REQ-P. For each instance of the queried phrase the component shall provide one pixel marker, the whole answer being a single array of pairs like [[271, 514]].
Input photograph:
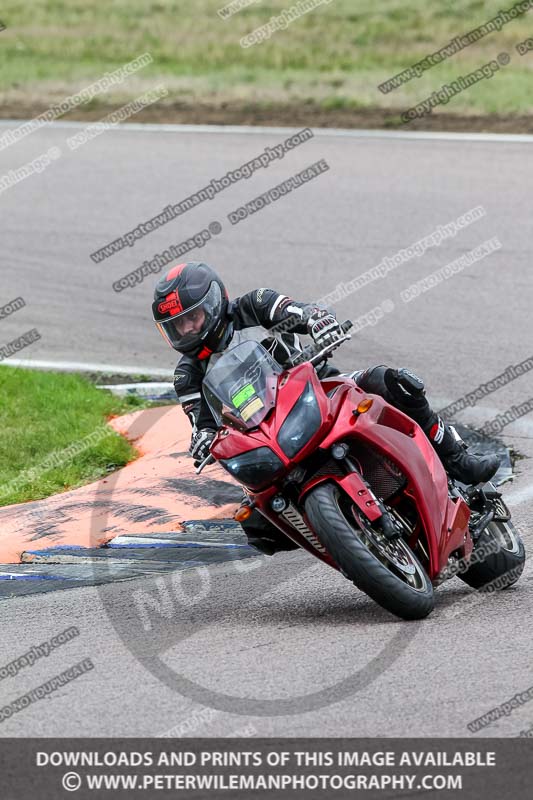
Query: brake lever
[[326, 351], [208, 460]]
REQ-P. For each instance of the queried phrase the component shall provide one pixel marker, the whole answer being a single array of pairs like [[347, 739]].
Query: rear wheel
[[387, 571], [499, 569]]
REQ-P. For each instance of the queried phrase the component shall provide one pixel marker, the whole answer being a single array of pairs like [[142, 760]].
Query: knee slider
[[411, 382], [406, 387]]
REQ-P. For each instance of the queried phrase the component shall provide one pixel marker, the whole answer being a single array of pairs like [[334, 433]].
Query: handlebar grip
[[346, 325]]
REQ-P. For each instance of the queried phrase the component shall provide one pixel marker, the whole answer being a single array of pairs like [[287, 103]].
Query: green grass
[[335, 55], [42, 413]]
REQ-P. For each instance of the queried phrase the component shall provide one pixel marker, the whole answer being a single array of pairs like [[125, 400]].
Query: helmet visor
[[188, 328]]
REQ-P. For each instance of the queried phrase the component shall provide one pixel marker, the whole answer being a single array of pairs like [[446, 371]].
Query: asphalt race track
[[280, 646]]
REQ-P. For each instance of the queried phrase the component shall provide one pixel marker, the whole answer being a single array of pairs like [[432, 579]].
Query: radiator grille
[[383, 476], [331, 467]]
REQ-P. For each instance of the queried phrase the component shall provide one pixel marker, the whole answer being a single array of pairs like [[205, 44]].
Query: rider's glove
[[200, 444], [323, 327]]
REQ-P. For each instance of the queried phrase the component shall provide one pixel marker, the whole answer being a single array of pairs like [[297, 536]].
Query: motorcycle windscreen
[[242, 382]]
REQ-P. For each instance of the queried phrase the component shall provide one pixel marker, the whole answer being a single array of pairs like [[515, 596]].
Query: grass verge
[[333, 57], [54, 433]]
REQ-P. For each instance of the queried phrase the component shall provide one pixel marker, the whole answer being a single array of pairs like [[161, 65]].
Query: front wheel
[[386, 570]]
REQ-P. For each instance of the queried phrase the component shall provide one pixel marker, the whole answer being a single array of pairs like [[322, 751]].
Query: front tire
[[387, 571], [503, 568]]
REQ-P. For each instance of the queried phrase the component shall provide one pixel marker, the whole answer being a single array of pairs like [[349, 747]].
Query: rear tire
[[359, 558], [499, 570]]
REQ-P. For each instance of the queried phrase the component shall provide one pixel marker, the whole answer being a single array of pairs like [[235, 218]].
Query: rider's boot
[[458, 462], [408, 392]]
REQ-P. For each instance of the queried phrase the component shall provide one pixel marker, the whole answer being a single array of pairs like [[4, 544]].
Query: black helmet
[[189, 308]]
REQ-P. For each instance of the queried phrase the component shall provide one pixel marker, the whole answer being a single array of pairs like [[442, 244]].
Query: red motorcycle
[[354, 481]]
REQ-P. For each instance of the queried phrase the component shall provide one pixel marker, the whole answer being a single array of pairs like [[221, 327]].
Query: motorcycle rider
[[192, 311]]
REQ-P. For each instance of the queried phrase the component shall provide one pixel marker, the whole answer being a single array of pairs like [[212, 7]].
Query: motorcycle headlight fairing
[[253, 468], [302, 423]]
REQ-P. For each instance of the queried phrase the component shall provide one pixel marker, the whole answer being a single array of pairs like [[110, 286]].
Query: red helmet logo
[[170, 305]]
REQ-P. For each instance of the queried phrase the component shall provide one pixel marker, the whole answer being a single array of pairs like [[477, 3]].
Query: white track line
[[75, 366], [350, 133]]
